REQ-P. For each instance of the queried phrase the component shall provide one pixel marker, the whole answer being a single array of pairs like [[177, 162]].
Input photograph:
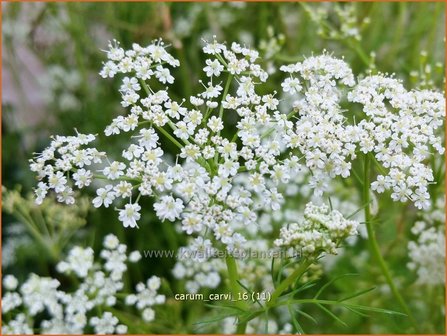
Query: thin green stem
[[224, 95], [273, 302], [23, 215], [374, 246], [169, 136], [227, 87], [288, 282], [234, 287]]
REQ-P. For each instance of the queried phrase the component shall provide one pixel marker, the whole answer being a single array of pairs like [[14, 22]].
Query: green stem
[[169, 136], [22, 215], [356, 46], [234, 287], [288, 282], [374, 246], [227, 87], [273, 302], [224, 95]]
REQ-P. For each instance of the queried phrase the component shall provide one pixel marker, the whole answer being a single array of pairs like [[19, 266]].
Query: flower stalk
[[290, 280], [374, 245], [233, 278]]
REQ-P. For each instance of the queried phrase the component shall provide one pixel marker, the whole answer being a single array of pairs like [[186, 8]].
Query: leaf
[[281, 269], [356, 312], [307, 316], [307, 285], [357, 177], [373, 309], [266, 322], [251, 293], [358, 210], [331, 314], [272, 265], [357, 294], [332, 281], [295, 322], [330, 203]]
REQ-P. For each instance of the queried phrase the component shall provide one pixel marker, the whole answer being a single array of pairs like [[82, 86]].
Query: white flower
[[40, 293], [41, 191], [135, 256], [213, 48], [130, 215], [10, 301], [154, 283], [115, 170], [213, 68], [10, 282], [291, 85], [111, 242], [105, 197], [19, 325], [121, 329], [168, 208], [212, 91], [146, 296], [224, 185], [123, 189], [79, 261], [82, 178], [163, 75], [57, 181], [130, 84], [321, 230], [148, 138], [215, 124], [105, 324], [148, 314], [67, 312]]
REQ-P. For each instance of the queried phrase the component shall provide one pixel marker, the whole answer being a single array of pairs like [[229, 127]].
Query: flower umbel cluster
[[400, 131], [99, 290], [427, 251], [320, 133], [65, 155], [220, 185], [321, 230]]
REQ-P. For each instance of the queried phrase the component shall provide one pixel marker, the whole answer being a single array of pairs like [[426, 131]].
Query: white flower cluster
[[400, 130], [218, 187], [399, 127], [64, 155], [427, 252], [321, 230], [216, 183], [203, 273], [147, 297], [345, 22], [320, 133], [74, 312]]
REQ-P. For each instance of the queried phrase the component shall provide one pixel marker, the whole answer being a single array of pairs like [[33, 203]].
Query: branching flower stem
[[374, 246], [274, 300], [289, 281], [221, 108], [233, 277]]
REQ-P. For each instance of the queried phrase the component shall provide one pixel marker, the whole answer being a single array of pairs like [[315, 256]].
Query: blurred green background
[[52, 53]]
